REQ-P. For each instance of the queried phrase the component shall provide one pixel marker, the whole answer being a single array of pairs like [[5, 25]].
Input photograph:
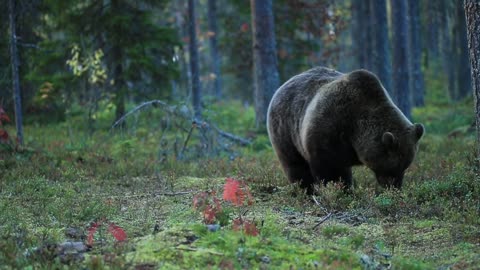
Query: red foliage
[[208, 204], [236, 192], [3, 136], [248, 227], [91, 233], [3, 116], [116, 231], [244, 27]]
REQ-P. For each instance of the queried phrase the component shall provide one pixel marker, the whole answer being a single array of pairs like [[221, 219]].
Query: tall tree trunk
[[401, 80], [472, 14], [215, 60], [464, 82], [452, 83], [367, 32], [445, 47], [417, 84], [194, 65], [17, 99], [266, 78], [119, 81], [433, 27], [381, 63], [357, 30]]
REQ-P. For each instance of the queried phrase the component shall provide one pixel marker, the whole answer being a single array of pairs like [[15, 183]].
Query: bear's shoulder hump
[[365, 80]]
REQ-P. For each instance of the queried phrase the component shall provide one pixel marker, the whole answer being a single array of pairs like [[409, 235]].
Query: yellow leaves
[[92, 65], [210, 34], [46, 90]]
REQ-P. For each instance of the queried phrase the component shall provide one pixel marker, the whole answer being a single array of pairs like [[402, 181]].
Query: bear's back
[[295, 94]]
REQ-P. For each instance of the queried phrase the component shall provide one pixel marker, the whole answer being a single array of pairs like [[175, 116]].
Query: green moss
[[69, 178]]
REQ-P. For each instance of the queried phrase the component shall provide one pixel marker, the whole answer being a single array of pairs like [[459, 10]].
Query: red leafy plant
[[208, 204], [116, 231], [4, 137], [235, 193]]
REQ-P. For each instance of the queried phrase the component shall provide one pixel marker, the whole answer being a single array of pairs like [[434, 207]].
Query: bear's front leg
[[324, 174]]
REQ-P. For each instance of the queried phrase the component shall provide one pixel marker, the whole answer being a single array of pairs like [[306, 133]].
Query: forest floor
[[67, 189]]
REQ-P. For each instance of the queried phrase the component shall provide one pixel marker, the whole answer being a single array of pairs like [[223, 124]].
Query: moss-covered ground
[[66, 178]]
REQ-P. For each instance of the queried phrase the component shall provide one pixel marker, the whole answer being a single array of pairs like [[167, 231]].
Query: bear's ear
[[419, 130], [389, 139]]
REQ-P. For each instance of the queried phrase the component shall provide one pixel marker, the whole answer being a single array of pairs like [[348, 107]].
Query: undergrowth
[[67, 177]]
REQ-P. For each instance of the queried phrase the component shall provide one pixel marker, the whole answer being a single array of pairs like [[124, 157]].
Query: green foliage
[[72, 177], [231, 116], [81, 44], [334, 230]]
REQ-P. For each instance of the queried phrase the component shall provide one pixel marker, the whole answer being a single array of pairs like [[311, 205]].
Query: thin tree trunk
[[119, 86], [215, 60], [472, 14], [401, 88], [452, 86], [266, 78], [417, 84], [464, 82], [17, 99], [119, 83], [381, 63], [194, 65]]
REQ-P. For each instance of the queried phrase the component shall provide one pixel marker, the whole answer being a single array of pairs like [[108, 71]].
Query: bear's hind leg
[[297, 170]]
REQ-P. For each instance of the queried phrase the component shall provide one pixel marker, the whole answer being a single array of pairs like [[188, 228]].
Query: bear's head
[[392, 153]]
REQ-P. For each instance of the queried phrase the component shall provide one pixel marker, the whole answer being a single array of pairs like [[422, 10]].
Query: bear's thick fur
[[322, 122]]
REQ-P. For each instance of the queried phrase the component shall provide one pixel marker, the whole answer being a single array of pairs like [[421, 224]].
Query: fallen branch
[[202, 250], [322, 221], [170, 194], [172, 110], [167, 108]]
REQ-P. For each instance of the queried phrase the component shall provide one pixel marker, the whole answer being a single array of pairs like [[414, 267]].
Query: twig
[[204, 250], [322, 221], [28, 45], [316, 202], [186, 140], [319, 204], [173, 193]]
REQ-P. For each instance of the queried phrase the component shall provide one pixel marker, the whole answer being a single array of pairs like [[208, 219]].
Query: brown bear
[[322, 122]]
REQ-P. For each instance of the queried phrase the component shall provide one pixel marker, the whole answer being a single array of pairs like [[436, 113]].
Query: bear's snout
[[388, 181]]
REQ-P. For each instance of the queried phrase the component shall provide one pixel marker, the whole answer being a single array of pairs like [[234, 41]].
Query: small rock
[[213, 227], [265, 259], [74, 233], [68, 247]]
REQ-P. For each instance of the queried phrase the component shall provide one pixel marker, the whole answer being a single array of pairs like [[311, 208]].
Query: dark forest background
[[91, 54]]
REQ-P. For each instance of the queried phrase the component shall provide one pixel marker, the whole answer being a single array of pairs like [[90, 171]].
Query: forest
[[134, 134]]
